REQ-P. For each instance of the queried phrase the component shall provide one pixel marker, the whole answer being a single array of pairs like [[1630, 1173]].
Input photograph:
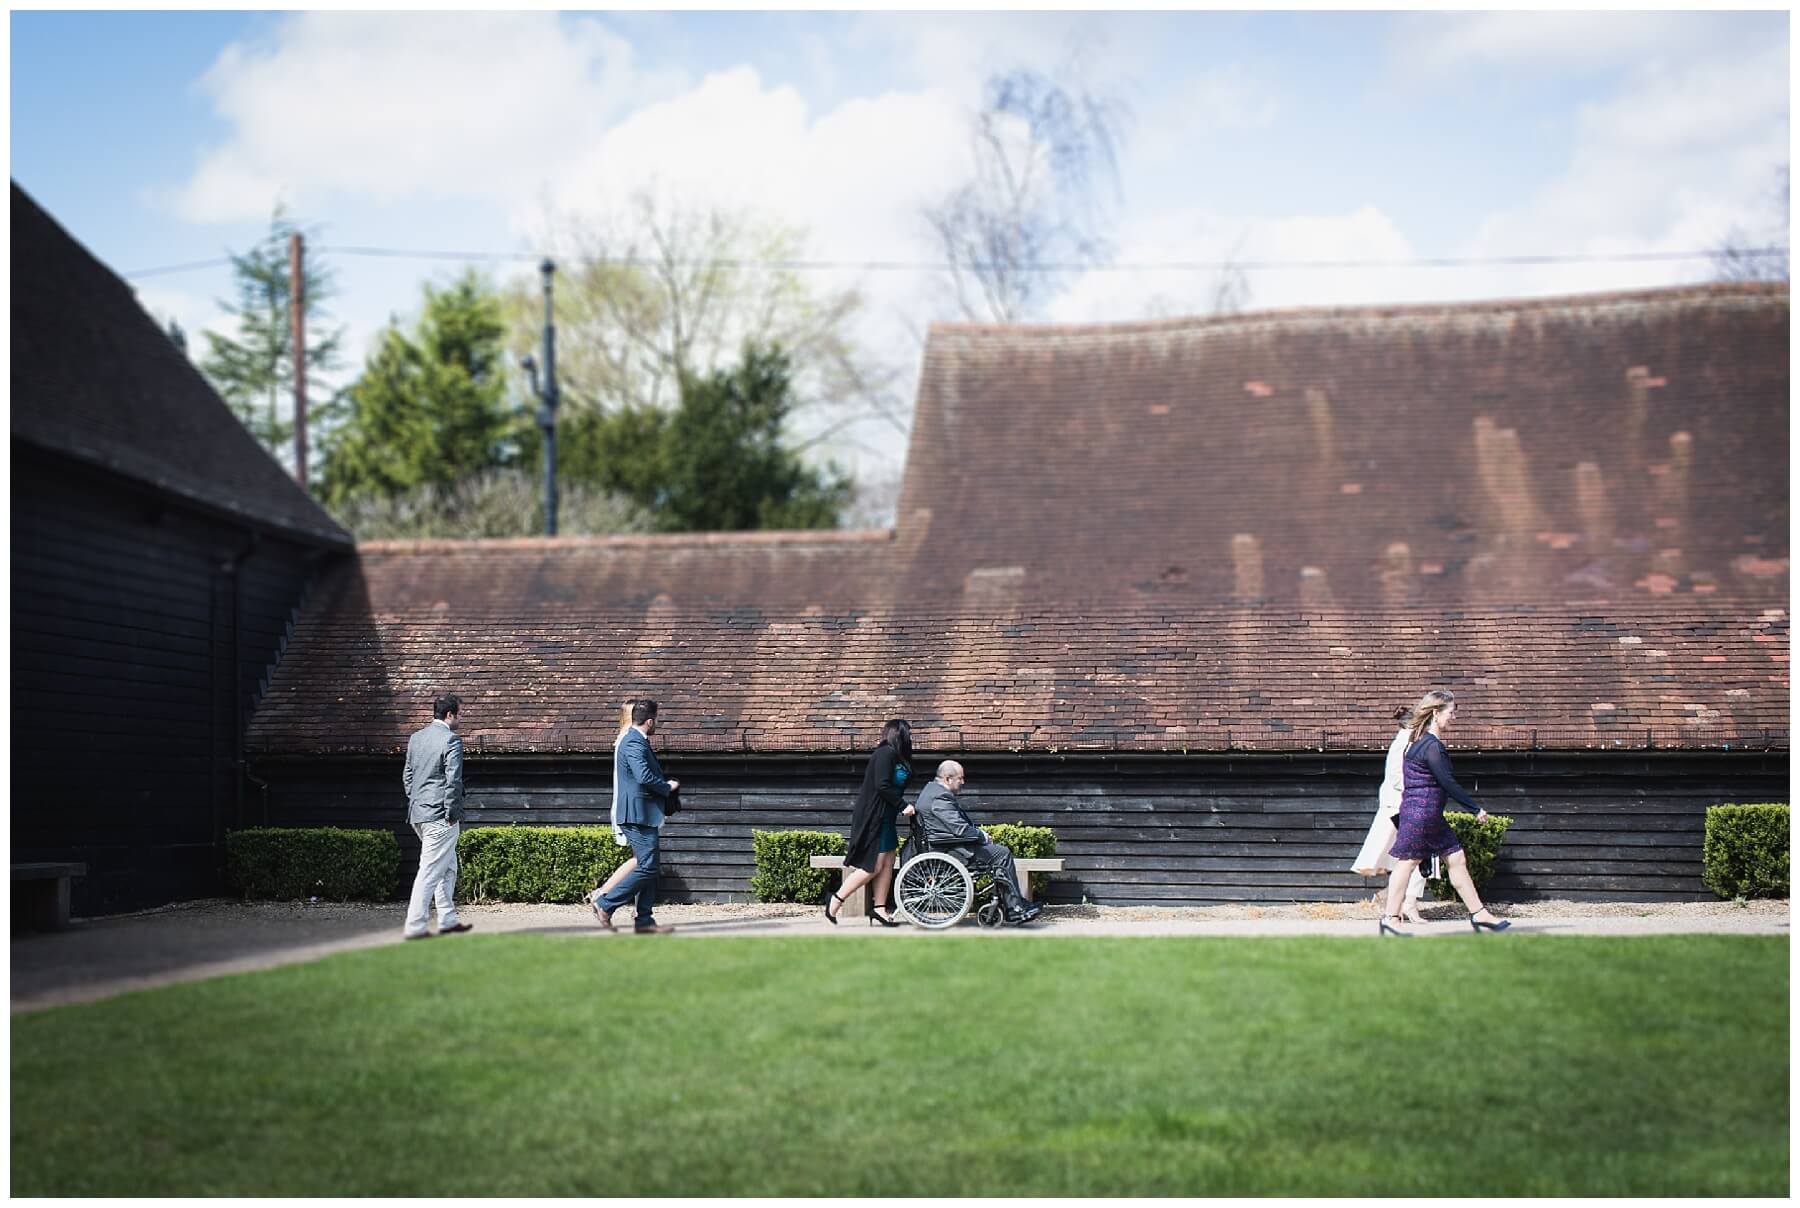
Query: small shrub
[[1480, 843], [337, 865], [1745, 853], [535, 863], [783, 872]]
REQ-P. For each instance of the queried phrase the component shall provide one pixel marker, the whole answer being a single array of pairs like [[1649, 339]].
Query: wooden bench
[[856, 905], [41, 895]]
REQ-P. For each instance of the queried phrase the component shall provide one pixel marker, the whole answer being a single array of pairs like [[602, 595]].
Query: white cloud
[[852, 178], [956, 51], [395, 107], [1670, 162], [1447, 44], [1201, 236], [1206, 104]]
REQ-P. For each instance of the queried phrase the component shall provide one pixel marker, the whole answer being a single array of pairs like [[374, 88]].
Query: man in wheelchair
[[948, 827]]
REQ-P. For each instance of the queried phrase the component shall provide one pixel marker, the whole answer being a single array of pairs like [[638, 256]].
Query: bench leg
[[856, 905], [1025, 886], [46, 904], [60, 918]]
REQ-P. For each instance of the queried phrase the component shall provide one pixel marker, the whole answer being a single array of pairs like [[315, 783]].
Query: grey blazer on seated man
[[945, 821], [642, 786], [434, 776]]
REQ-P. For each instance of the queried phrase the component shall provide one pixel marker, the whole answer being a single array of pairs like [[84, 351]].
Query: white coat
[[1373, 860]]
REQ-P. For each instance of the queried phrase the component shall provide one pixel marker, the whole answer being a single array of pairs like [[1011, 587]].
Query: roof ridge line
[[1595, 300], [756, 537]]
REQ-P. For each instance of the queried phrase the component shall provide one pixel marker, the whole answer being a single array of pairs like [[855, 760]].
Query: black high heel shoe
[[1387, 930], [830, 917], [1480, 926], [884, 920]]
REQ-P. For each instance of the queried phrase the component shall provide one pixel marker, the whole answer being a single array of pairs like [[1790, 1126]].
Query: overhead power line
[[216, 262], [917, 266]]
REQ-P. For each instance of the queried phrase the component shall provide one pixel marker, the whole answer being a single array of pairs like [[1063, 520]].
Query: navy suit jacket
[[642, 786]]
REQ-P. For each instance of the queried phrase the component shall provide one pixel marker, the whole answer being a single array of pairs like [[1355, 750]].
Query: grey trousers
[[996, 860]]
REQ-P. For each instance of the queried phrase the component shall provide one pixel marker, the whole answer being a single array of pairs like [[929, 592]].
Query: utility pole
[[297, 310], [547, 399]]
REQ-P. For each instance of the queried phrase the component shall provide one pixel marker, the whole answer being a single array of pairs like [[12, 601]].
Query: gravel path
[[100, 958]]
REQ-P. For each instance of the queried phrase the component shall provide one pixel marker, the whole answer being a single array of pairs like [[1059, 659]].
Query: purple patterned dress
[[1423, 831]]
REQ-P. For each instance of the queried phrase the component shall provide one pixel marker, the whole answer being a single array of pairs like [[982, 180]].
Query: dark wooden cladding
[[1131, 830], [128, 678]]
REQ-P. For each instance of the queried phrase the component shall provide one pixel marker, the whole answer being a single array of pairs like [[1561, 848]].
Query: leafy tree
[[430, 408], [254, 373], [718, 460], [492, 503], [662, 290]]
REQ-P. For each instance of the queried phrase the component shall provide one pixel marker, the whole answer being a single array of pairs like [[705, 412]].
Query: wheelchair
[[936, 890]]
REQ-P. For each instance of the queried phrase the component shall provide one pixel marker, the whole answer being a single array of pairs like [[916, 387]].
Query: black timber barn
[[159, 560]]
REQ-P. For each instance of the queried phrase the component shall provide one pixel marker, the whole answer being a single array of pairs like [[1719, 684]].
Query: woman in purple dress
[[1423, 831]]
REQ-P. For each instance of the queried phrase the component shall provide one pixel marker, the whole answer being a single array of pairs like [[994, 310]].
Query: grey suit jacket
[[434, 775], [945, 821], [642, 785]]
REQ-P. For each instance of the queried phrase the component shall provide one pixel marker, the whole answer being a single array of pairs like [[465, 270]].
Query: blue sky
[[162, 138]]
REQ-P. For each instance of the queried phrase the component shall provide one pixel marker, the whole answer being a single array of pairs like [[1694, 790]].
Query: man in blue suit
[[643, 790]]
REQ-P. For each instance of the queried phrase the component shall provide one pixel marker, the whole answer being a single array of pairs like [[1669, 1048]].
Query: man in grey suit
[[948, 825], [434, 806], [643, 791]]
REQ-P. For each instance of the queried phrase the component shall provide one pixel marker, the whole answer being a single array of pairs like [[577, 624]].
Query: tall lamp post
[[546, 396]]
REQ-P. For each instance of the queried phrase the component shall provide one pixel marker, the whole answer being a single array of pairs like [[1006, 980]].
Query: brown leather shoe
[[654, 929], [456, 930], [602, 914]]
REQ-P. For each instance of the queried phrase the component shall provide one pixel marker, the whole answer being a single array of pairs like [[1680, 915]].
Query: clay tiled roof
[[1609, 448], [94, 378], [523, 576], [364, 664], [1258, 532]]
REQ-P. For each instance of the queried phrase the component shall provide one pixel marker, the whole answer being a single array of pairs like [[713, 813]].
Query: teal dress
[[890, 830]]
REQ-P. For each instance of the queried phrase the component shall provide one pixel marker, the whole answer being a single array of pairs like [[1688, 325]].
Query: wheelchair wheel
[[934, 890], [989, 914]]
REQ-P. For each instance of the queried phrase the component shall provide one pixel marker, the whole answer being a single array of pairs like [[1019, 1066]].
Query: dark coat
[[878, 802]]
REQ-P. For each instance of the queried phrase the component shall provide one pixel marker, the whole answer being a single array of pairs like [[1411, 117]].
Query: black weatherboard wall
[[1131, 830], [141, 632], [159, 558]]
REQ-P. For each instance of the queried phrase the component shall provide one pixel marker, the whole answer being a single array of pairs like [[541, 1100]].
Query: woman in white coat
[[1373, 860]]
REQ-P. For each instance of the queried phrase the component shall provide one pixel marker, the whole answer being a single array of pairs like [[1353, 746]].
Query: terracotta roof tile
[[1612, 447], [1209, 678]]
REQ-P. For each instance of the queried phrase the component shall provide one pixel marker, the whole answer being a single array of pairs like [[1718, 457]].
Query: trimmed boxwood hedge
[[1745, 852], [535, 863], [328, 862], [783, 873], [1481, 844]]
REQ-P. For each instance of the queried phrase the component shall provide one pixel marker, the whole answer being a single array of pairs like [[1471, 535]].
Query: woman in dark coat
[[874, 823]]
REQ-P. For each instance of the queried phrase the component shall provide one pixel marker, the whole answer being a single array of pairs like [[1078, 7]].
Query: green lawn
[[545, 1065]]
